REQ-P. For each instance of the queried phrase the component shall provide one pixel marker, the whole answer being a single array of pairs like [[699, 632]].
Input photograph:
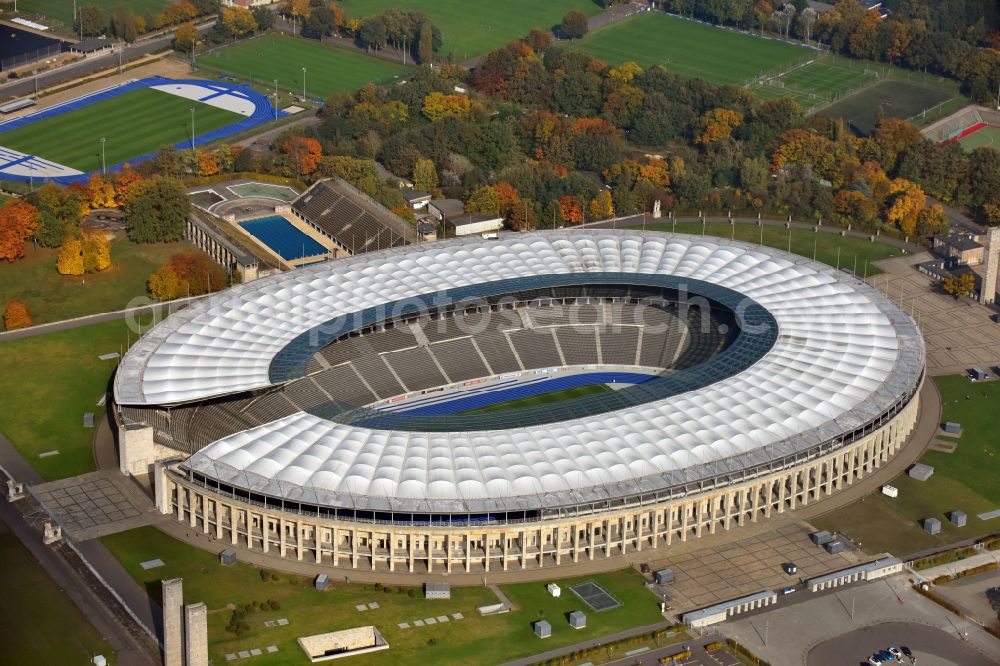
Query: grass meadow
[[62, 10], [692, 49]]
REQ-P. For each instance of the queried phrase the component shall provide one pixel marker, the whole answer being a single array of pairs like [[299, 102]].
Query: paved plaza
[[726, 571], [958, 333], [96, 504], [845, 625]]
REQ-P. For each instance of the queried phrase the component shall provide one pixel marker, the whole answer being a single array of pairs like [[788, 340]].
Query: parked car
[[788, 590], [895, 652], [874, 661], [906, 651], [886, 656], [790, 568]]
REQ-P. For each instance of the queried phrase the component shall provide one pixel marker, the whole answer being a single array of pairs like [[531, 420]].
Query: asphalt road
[[856, 646]]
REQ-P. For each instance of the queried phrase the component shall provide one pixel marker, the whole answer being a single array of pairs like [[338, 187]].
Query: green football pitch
[[471, 28], [692, 49], [135, 123], [543, 398], [62, 10], [819, 83], [986, 136], [329, 69]]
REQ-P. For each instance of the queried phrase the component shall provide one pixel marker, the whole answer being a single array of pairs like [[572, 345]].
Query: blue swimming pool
[[283, 237]]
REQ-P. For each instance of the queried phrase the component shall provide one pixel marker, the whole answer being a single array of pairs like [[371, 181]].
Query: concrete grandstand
[[290, 414]]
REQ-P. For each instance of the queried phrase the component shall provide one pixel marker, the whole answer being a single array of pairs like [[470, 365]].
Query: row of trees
[[92, 20], [547, 119]]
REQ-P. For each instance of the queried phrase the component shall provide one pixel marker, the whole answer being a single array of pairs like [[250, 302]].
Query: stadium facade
[[322, 414]]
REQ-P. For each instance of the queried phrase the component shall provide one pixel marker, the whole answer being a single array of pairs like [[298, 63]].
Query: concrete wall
[[138, 452]]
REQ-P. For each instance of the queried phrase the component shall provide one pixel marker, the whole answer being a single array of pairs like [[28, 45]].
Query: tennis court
[[281, 236], [595, 596]]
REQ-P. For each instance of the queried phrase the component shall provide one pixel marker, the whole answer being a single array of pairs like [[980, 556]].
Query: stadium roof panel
[[844, 355]]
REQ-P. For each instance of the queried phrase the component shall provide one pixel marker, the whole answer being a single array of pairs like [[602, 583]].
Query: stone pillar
[[173, 622], [988, 290], [265, 533], [318, 543], [233, 523], [524, 549], [192, 508], [335, 540], [196, 634], [670, 524], [220, 511], [506, 548], [164, 489], [590, 540], [281, 538], [299, 532], [684, 521], [354, 548], [392, 551], [486, 552]]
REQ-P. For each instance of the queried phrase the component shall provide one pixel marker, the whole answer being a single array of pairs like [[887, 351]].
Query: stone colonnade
[[529, 545]]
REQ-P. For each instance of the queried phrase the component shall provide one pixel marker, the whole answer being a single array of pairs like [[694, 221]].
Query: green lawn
[[134, 123], [62, 10], [53, 297], [329, 69], [818, 83], [965, 480], [471, 28], [49, 382], [542, 398], [38, 623], [892, 97], [852, 251], [473, 640], [692, 49]]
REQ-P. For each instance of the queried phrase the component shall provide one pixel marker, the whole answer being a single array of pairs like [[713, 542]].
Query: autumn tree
[[572, 209], [59, 213], [718, 124], [425, 43], [208, 163], [425, 176], [186, 37], [552, 217], [16, 315], [906, 201], [18, 220], [70, 261], [100, 192], [601, 206], [959, 285], [438, 106], [96, 252], [125, 181], [123, 23], [300, 155], [90, 21], [186, 273], [574, 25], [238, 21], [156, 210], [483, 200]]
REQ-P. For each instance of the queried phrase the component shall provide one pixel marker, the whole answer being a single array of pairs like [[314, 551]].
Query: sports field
[[62, 10], [984, 136], [329, 69], [817, 84], [134, 123], [543, 398], [471, 28], [895, 98], [692, 49]]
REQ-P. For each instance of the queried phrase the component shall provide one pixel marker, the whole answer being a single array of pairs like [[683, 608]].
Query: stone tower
[[988, 291], [196, 634], [173, 622]]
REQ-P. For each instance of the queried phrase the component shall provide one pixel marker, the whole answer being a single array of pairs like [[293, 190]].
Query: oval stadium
[[535, 400]]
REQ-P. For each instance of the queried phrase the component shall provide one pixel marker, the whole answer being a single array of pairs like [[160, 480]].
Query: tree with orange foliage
[[125, 181], [572, 209], [187, 273], [208, 163], [302, 155], [718, 124], [507, 195], [18, 220], [100, 193], [70, 261], [16, 315], [801, 148], [186, 37]]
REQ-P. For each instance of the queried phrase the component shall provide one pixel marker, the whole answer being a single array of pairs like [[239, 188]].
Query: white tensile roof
[[844, 355]]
